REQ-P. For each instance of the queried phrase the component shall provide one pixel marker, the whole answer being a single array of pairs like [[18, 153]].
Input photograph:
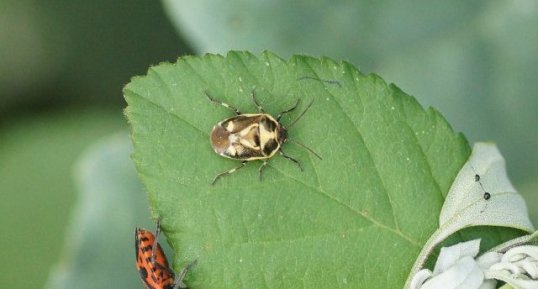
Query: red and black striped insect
[[253, 136], [152, 264]]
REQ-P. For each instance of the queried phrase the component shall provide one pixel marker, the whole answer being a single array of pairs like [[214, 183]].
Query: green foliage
[[356, 219]]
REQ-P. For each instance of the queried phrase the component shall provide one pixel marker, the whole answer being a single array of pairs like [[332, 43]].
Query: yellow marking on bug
[[266, 135], [248, 135], [233, 138], [231, 150], [249, 130], [245, 143]]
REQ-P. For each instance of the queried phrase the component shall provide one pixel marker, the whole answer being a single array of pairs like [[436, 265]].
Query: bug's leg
[[243, 163], [232, 108], [179, 280], [260, 170], [260, 108], [154, 249], [288, 110], [291, 159], [155, 242]]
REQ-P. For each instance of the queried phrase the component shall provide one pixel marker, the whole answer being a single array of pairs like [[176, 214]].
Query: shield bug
[[252, 136], [152, 264]]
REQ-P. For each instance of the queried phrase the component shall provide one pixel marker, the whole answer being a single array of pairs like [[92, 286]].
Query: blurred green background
[[63, 65]]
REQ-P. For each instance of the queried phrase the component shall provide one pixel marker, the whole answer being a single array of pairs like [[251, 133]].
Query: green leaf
[[99, 251], [358, 218]]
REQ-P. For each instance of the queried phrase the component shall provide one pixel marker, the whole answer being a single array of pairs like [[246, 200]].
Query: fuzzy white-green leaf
[[466, 204]]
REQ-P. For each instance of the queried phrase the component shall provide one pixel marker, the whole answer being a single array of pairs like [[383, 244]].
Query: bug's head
[[282, 135]]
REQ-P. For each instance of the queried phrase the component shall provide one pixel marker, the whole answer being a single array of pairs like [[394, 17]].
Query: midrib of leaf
[[358, 213]]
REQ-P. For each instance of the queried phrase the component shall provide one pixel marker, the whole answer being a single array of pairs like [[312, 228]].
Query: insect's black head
[[282, 135]]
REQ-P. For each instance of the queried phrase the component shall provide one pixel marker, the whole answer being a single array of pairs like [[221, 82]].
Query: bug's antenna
[[329, 81], [301, 115], [305, 147], [182, 274]]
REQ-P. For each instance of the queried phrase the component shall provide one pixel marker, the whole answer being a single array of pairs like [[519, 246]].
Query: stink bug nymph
[[253, 136]]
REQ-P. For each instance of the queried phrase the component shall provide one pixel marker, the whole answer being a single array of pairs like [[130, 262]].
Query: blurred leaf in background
[[78, 52], [36, 158], [29, 56], [475, 61], [99, 250], [62, 66]]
